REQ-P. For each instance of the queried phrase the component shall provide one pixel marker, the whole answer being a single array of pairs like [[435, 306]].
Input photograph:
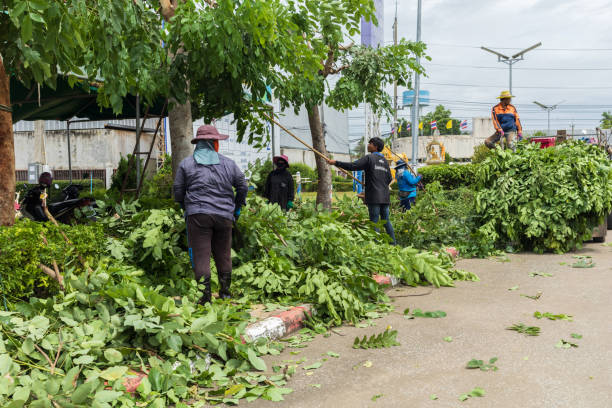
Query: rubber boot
[[206, 294], [224, 286]]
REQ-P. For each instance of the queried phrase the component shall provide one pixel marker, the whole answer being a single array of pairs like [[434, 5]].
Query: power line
[[521, 87], [514, 48], [523, 69]]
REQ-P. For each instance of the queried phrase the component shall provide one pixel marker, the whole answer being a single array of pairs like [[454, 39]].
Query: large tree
[[115, 39], [216, 58], [329, 28]]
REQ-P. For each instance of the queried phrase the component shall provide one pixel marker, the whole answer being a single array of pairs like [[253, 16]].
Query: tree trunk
[[181, 123], [323, 170], [181, 133], [7, 153]]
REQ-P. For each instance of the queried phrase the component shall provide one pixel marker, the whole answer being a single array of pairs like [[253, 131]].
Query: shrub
[[23, 248], [481, 152], [450, 176], [160, 185], [122, 167]]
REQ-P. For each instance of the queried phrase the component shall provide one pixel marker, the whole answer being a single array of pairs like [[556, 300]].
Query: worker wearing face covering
[[279, 184], [204, 186]]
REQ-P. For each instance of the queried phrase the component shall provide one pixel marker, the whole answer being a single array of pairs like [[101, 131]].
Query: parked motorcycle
[[63, 210]]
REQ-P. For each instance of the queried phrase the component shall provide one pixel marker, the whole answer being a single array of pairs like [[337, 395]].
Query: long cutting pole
[[310, 147], [415, 104]]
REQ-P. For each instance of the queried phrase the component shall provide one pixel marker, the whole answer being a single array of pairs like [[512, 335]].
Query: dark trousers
[[378, 211], [407, 203], [211, 234]]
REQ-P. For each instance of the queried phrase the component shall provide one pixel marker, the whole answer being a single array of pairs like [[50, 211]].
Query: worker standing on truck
[[377, 180], [506, 122], [279, 184], [204, 186], [407, 183]]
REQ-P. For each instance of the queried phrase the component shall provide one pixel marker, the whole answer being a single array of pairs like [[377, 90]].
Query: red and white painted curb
[[290, 321]]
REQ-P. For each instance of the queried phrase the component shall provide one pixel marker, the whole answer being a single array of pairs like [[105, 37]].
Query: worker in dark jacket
[[377, 180], [279, 184], [204, 186]]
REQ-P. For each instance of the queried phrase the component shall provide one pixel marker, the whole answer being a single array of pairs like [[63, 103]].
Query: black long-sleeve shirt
[[279, 188], [377, 177]]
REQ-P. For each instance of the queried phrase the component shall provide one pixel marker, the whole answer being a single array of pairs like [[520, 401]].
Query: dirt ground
[[532, 371]]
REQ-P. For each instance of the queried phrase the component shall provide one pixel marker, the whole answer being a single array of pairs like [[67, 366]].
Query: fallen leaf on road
[[433, 397], [377, 396], [313, 366], [448, 339], [332, 354], [513, 288], [576, 336], [367, 364], [315, 385]]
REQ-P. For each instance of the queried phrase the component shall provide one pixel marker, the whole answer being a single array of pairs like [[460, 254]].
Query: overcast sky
[[454, 30]]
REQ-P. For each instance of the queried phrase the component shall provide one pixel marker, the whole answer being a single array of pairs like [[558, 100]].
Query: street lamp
[[548, 109], [519, 56]]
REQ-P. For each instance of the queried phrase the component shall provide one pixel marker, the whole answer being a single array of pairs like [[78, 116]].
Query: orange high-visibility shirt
[[506, 119]]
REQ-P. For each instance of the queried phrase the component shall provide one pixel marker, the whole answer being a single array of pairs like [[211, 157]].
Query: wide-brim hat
[[208, 132], [505, 94], [281, 157], [400, 164]]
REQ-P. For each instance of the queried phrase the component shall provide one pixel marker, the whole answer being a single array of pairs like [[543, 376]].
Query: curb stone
[[290, 321]]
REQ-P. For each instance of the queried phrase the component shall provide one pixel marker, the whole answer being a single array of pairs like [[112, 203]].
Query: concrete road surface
[[532, 371]]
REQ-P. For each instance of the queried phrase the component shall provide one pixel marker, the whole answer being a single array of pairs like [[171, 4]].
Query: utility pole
[[395, 124], [548, 109], [519, 56], [415, 104]]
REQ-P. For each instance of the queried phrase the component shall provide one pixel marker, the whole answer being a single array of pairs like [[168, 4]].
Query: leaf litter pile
[[128, 311]]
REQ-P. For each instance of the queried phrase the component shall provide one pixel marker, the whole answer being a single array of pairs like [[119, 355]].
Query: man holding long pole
[[377, 180]]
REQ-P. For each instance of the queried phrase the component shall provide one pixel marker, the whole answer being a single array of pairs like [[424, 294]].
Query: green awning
[[66, 102]]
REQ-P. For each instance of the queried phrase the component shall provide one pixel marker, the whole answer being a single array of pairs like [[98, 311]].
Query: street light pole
[[548, 109], [519, 56], [415, 104], [395, 124]]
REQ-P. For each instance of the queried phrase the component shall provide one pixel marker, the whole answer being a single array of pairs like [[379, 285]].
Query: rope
[[5, 108]]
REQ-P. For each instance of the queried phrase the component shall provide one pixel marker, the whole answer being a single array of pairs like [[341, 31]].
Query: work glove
[[520, 135], [289, 205], [237, 213], [501, 133]]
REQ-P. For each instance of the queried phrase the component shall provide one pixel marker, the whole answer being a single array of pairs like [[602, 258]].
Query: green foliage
[[419, 313], [476, 392], [386, 339], [583, 262], [539, 133], [566, 344], [551, 316], [442, 218], [160, 185], [122, 170], [77, 347], [526, 330], [481, 152], [450, 176], [480, 364], [326, 258], [43, 38], [544, 199], [23, 249]]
